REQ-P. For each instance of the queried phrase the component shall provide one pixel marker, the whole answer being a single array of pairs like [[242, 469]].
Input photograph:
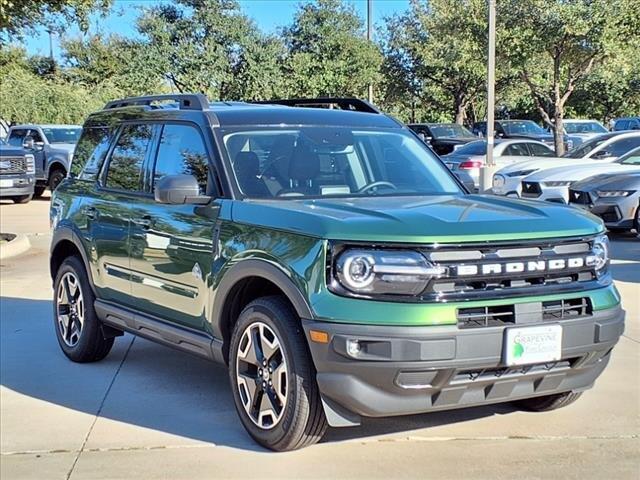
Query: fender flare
[[256, 268], [67, 233], [57, 162]]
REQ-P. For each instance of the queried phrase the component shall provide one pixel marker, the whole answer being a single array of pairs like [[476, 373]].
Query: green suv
[[329, 258]]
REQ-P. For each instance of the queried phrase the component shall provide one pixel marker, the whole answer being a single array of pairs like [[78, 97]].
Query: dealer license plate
[[527, 345], [6, 183]]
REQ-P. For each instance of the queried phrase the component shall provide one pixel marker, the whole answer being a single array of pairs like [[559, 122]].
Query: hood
[[572, 173], [455, 140], [62, 147], [542, 137], [545, 163], [7, 151], [446, 218], [609, 181]]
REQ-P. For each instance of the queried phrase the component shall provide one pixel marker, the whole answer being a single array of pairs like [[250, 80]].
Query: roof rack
[[185, 101], [343, 103]]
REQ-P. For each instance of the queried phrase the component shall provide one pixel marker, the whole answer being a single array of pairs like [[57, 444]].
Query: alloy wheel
[[262, 375], [70, 309]]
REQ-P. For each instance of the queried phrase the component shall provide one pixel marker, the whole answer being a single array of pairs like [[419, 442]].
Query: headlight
[[31, 163], [600, 253], [521, 173], [384, 272], [556, 184], [614, 193], [498, 180]]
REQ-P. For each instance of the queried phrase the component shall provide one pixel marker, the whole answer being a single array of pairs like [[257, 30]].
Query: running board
[[160, 331]]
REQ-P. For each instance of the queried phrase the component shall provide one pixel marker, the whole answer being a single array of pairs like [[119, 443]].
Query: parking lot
[[148, 411]]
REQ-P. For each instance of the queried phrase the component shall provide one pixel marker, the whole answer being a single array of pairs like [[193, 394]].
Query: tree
[[18, 16], [328, 53], [556, 45], [441, 45], [199, 45]]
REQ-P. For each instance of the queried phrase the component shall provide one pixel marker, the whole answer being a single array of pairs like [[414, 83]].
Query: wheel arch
[[66, 243], [57, 164], [246, 281]]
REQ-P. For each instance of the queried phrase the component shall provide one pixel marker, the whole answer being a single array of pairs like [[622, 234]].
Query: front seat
[[303, 171], [247, 168]]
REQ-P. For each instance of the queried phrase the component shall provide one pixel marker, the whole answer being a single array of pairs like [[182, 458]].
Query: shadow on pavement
[[157, 387]]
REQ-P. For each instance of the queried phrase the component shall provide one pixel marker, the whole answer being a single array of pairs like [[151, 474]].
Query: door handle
[[144, 222], [91, 213]]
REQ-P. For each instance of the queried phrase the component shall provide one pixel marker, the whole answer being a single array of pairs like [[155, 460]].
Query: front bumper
[[549, 194], [14, 185], [407, 370], [615, 213]]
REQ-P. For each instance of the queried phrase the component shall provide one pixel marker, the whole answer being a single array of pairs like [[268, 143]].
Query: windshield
[[472, 148], [584, 149], [314, 162], [584, 127], [631, 158], [514, 127], [62, 134], [449, 130]]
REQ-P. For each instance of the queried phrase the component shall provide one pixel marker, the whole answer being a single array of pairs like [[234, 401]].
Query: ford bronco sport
[[329, 258]]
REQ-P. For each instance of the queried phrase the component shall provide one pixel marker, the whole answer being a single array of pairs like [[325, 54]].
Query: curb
[[17, 246]]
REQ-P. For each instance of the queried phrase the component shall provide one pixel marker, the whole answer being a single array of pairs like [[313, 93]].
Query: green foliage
[[20, 16], [328, 53]]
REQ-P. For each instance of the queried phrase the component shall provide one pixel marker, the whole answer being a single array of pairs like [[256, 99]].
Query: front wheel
[[548, 402], [38, 191], [22, 198], [55, 178], [273, 378]]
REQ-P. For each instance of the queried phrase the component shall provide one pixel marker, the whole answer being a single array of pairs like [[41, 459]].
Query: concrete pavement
[[150, 412]]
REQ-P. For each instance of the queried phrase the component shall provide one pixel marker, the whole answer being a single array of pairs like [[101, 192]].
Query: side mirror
[[179, 190], [28, 144], [422, 136]]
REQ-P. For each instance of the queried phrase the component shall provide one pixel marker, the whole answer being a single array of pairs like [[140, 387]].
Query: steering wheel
[[368, 187]]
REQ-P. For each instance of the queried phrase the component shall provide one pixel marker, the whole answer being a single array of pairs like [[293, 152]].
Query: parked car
[[605, 148], [581, 130], [628, 123], [52, 147], [472, 156], [552, 184], [521, 129], [614, 197], [444, 138], [17, 174], [466, 180], [329, 259]]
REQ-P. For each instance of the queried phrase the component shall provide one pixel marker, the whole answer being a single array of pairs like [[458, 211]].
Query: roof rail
[[185, 101], [343, 103]]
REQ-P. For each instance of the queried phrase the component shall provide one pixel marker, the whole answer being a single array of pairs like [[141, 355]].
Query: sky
[[269, 15]]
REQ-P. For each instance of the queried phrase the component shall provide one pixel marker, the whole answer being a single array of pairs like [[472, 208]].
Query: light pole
[[369, 37], [487, 171], [50, 32]]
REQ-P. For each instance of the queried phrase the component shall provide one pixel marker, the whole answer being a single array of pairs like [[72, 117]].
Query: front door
[[172, 245]]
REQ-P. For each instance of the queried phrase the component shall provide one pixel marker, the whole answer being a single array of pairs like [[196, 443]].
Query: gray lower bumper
[[21, 185], [407, 370]]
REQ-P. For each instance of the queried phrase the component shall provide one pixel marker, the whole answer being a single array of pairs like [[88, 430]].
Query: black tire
[[549, 402], [636, 220], [38, 191], [55, 178], [22, 198], [90, 345], [302, 421]]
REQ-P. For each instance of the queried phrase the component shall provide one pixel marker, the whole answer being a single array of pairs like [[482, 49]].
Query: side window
[[16, 137], [516, 149], [540, 151], [127, 158], [35, 134], [621, 125], [182, 151], [623, 146], [90, 152]]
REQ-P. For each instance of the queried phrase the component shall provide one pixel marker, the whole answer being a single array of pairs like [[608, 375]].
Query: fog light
[[353, 347]]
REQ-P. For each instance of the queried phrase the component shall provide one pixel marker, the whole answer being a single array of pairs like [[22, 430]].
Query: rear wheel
[[77, 326], [549, 402], [55, 178], [22, 198], [273, 377]]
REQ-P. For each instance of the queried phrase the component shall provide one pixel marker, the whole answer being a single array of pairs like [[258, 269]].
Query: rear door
[[108, 211], [172, 245]]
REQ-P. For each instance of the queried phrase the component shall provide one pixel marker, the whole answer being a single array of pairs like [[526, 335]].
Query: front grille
[[579, 198], [531, 189], [12, 165], [456, 285], [506, 315], [489, 374]]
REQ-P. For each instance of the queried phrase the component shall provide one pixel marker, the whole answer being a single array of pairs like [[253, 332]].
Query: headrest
[[305, 163], [247, 164]]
